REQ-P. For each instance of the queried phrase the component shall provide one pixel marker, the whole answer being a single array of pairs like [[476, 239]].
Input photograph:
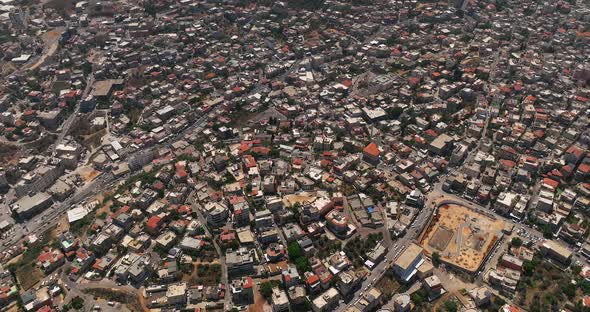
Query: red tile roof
[[371, 150], [154, 222], [312, 280], [551, 182]]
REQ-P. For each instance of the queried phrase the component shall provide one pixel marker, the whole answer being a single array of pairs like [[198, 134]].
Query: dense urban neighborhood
[[295, 155]]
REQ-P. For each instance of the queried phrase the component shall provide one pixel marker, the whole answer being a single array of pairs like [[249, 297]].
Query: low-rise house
[[326, 301], [242, 291], [279, 300], [50, 260]]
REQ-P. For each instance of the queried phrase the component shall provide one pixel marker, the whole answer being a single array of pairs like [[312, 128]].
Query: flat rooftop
[[408, 256]]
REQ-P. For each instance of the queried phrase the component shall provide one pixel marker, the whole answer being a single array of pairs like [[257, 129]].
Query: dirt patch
[[206, 274], [462, 236], [301, 198], [260, 303], [63, 7], [241, 118], [52, 34], [7, 67], [277, 267], [63, 225], [8, 153], [388, 285], [131, 300], [13, 308], [87, 173], [105, 209], [28, 275], [93, 140], [441, 239]]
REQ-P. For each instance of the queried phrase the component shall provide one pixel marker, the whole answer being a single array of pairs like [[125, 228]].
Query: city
[[297, 155]]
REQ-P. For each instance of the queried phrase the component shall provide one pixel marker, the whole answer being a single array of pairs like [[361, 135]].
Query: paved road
[[75, 289], [65, 128], [49, 218], [433, 199], [224, 274], [393, 252]]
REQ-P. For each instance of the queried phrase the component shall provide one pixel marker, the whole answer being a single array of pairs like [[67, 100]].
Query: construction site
[[461, 236]]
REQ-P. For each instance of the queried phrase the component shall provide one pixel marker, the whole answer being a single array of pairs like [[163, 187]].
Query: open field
[[28, 275], [301, 198], [206, 274], [388, 285], [8, 153], [463, 237]]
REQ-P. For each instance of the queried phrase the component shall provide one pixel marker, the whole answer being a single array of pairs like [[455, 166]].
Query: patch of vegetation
[[297, 255], [419, 298], [78, 227], [544, 287], [451, 306], [150, 8], [7, 151], [77, 303], [388, 285], [207, 274], [357, 248], [266, 288], [25, 270], [326, 246], [494, 305], [516, 242], [436, 259], [130, 299]]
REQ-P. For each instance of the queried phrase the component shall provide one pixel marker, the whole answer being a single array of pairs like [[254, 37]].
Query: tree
[[266, 288], [150, 9], [569, 290], [528, 268], [302, 265], [294, 250], [418, 297], [516, 242], [585, 286], [395, 112], [248, 189], [576, 269], [274, 152], [436, 259], [547, 231], [77, 303], [451, 306]]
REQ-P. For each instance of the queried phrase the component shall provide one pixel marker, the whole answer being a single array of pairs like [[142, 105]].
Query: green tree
[[294, 250], [436, 259], [302, 264], [266, 288], [576, 269], [451, 306], [77, 303], [528, 268], [418, 297], [569, 290], [395, 112], [150, 8], [516, 242], [585, 286]]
